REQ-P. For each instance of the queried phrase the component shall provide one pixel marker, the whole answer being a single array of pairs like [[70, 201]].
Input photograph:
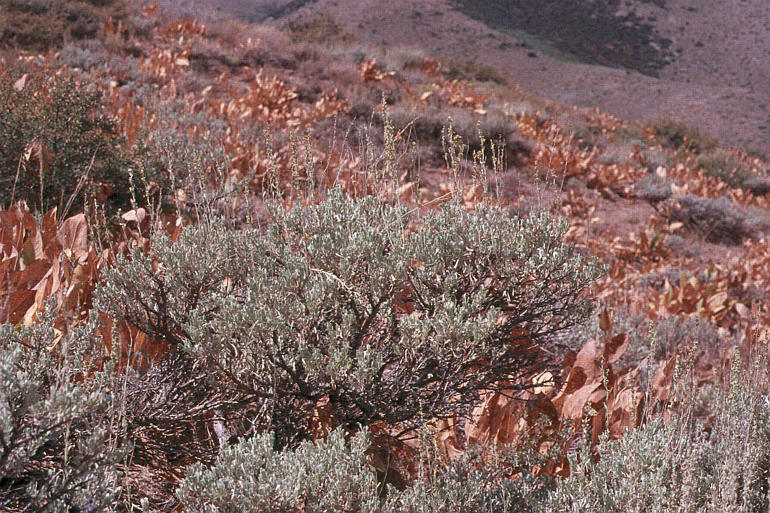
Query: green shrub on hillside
[[675, 134], [731, 169], [717, 220], [56, 144], [321, 29], [340, 304]]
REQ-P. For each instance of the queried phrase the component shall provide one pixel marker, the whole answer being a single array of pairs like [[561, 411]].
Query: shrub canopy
[[56, 143], [341, 314]]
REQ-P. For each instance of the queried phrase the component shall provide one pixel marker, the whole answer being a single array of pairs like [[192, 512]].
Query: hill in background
[[702, 63]]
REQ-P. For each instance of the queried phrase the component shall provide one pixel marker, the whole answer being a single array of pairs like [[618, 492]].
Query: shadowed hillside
[[696, 62], [591, 31]]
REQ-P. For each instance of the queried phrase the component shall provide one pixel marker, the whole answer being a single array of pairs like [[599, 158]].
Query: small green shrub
[[323, 477], [653, 188], [466, 69], [470, 483], [321, 29], [726, 166], [757, 185], [716, 220], [333, 476], [54, 454], [193, 277], [682, 465], [337, 303], [59, 125], [82, 56], [621, 151], [426, 125], [678, 135]]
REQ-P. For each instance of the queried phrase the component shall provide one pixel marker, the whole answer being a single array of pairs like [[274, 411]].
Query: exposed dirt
[[711, 58]]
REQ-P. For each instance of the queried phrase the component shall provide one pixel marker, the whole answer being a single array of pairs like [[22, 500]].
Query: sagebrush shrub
[[327, 476], [332, 475], [188, 277], [653, 188], [170, 409], [678, 135], [682, 464], [339, 308], [726, 166], [473, 483], [427, 125], [717, 220], [54, 454]]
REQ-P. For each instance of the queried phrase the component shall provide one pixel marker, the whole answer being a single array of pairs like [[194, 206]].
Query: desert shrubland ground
[[245, 268]]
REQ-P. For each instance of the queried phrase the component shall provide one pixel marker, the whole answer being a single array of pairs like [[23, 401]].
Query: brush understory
[[252, 269]]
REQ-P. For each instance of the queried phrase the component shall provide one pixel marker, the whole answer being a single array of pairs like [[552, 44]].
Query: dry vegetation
[[192, 146]]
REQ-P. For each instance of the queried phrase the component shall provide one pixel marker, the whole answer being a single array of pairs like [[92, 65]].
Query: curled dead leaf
[[615, 347], [21, 83], [742, 310], [73, 235], [136, 216], [36, 154], [663, 380]]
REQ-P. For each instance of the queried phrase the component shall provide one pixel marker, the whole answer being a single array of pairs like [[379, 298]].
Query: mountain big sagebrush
[[54, 450], [341, 313]]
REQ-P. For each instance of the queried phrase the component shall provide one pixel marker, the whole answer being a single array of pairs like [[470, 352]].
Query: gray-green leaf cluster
[[54, 453], [328, 476], [345, 303]]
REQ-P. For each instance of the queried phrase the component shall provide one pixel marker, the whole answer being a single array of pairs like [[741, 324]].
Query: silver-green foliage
[[158, 292], [678, 466], [53, 439], [469, 483], [328, 476], [319, 307], [332, 476]]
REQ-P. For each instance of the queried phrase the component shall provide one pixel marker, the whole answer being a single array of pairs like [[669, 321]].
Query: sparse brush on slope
[[40, 24], [717, 220]]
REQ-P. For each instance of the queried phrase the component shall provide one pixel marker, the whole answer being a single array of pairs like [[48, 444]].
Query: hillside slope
[[218, 128], [704, 63]]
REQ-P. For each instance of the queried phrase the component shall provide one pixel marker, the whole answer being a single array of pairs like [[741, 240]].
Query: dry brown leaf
[[742, 310], [15, 305], [136, 216], [615, 347], [322, 421], [73, 235], [605, 323], [36, 154], [663, 380], [447, 438]]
